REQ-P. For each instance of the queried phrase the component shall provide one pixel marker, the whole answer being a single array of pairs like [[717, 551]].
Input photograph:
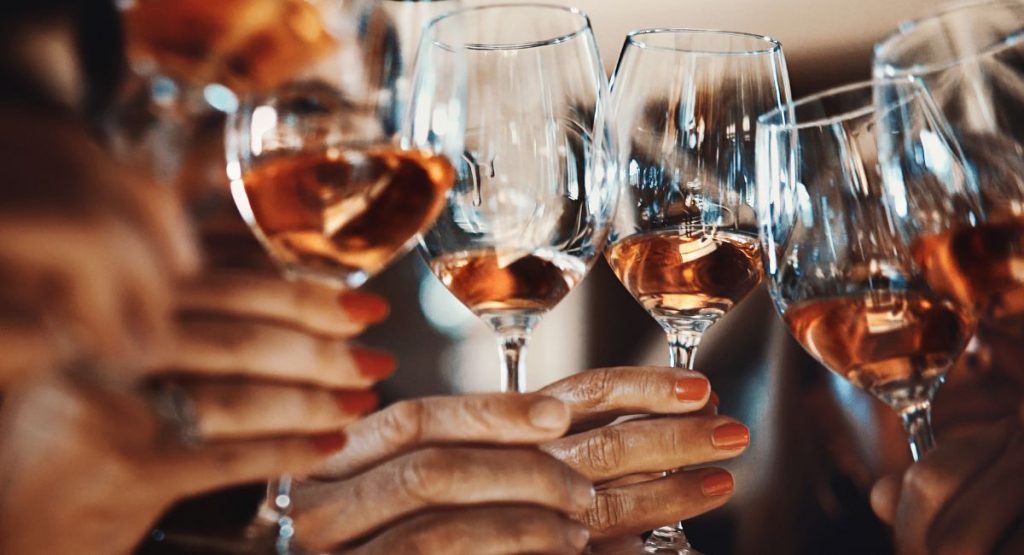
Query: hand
[[89, 256], [964, 497], [626, 459], [268, 379], [447, 475]]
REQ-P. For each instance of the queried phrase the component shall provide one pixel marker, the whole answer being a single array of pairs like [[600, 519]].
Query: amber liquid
[[491, 284], [345, 213], [675, 275], [982, 267], [886, 342], [243, 44]]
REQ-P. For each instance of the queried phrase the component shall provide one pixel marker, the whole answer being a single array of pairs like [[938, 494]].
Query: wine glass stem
[[512, 348], [917, 421], [682, 348]]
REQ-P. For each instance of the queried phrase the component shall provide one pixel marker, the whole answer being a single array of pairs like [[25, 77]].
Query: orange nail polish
[[692, 389], [357, 402], [373, 364], [714, 399], [364, 308], [716, 484], [329, 443], [730, 436]]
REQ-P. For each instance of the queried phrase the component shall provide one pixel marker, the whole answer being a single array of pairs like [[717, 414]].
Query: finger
[[437, 477], [999, 489], [87, 275], [245, 410], [885, 497], [637, 508], [408, 425], [264, 351], [28, 349], [928, 485], [650, 445], [301, 304], [191, 471], [629, 545], [630, 390], [481, 531], [158, 215]]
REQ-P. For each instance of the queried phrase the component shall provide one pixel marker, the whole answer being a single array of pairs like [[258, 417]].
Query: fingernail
[[363, 308], [692, 389], [730, 436], [357, 402], [714, 399], [549, 414], [578, 536], [329, 443], [716, 484], [373, 364]]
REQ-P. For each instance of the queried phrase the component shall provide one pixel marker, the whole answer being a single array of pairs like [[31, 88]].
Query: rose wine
[[981, 267], [489, 283], [244, 44], [675, 275], [886, 342], [341, 213]]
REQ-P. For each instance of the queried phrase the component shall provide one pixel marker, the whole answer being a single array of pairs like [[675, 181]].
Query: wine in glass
[[970, 57], [531, 207], [320, 170], [685, 242], [851, 181]]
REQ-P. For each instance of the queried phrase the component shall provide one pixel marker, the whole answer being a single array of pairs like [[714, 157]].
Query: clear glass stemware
[[853, 182], [684, 105], [531, 207]]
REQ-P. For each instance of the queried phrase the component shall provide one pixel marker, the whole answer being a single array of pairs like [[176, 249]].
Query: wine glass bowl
[[319, 167], [970, 57], [534, 196], [848, 192]]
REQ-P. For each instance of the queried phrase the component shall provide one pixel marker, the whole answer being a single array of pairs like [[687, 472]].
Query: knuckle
[[608, 512], [425, 477], [401, 424], [605, 451], [594, 388]]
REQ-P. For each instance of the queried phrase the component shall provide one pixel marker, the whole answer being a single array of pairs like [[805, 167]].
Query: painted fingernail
[[692, 389], [373, 364], [714, 399], [730, 436], [578, 536], [549, 414], [716, 484], [329, 443], [364, 308], [357, 402]]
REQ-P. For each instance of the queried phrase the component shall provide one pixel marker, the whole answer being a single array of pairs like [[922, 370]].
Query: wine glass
[[322, 175], [971, 59], [531, 208], [685, 245], [852, 184]]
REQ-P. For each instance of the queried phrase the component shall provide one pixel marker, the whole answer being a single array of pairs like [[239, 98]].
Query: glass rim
[[890, 69], [847, 115], [632, 39], [565, 37]]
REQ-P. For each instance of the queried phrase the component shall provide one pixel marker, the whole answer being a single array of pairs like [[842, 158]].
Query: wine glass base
[[669, 540]]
